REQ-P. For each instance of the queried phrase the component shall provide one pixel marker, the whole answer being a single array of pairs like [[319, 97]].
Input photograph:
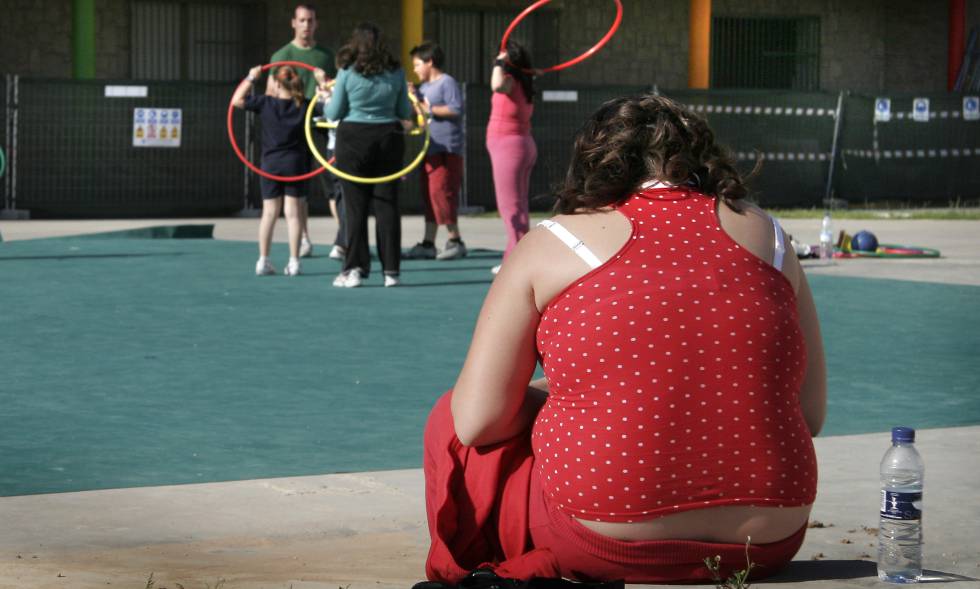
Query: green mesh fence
[[792, 133], [908, 160], [4, 143], [75, 153]]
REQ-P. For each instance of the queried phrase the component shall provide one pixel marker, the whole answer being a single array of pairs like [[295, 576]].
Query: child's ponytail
[[293, 84]]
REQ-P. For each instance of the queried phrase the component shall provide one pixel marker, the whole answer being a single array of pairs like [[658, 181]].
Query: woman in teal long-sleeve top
[[370, 99]]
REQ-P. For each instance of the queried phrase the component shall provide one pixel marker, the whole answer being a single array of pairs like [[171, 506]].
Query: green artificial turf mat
[[133, 362]]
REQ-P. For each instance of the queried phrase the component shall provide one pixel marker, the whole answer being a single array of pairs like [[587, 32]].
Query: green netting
[[904, 159], [75, 155], [791, 131]]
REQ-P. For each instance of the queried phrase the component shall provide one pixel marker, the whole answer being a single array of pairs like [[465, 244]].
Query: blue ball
[[864, 241]]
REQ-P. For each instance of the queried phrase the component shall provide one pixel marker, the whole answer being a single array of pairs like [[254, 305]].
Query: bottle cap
[[903, 434]]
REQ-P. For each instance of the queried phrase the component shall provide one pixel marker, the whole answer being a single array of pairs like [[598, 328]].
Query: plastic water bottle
[[900, 524], [826, 238]]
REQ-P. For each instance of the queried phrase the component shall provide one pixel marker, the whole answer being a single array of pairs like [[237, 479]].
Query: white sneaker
[[305, 248], [392, 281], [338, 253], [354, 278], [495, 269], [453, 250], [340, 280], [292, 268], [264, 267]]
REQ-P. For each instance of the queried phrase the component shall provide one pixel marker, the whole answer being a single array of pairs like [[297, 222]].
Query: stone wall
[[649, 48], [916, 46], [113, 41], [868, 47], [21, 48]]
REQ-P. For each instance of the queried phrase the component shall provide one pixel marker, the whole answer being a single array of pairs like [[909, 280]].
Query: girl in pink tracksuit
[[512, 149]]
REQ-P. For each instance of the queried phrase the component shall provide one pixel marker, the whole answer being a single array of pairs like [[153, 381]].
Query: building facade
[[866, 46]]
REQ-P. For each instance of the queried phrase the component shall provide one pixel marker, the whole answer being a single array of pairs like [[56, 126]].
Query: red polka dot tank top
[[674, 372]]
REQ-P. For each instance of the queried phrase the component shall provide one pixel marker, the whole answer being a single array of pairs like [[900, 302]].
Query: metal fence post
[[827, 200], [464, 194], [10, 211]]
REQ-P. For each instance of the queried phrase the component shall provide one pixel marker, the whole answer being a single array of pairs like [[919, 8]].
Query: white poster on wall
[[971, 108], [883, 110], [920, 110], [157, 127]]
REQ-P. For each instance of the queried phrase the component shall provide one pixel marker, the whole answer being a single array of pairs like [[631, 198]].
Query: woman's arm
[[338, 106], [492, 400], [813, 393], [500, 80], [238, 98]]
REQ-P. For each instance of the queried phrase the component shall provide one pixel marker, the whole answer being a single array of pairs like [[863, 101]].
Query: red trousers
[[441, 180], [486, 508]]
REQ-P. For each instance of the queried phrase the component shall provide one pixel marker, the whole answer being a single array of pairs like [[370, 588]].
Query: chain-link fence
[[924, 154], [792, 133], [5, 143], [71, 150]]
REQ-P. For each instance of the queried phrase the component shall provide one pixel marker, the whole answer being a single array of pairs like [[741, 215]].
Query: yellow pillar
[[411, 32], [699, 44]]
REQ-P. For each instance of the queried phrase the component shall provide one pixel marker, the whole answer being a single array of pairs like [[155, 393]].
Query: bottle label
[[896, 505]]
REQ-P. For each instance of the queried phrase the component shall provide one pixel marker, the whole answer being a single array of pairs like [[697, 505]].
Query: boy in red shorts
[[442, 174]]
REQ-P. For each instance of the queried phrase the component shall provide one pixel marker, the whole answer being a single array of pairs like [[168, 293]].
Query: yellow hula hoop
[[341, 174]]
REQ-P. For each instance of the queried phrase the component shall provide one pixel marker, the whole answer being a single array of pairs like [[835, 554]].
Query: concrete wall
[[649, 48], [21, 48], [867, 46], [916, 41], [113, 40]]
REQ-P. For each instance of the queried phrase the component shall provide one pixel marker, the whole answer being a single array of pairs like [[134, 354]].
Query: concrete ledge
[[368, 529]]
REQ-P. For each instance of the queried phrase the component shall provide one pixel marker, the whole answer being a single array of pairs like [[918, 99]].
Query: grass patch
[[950, 214]]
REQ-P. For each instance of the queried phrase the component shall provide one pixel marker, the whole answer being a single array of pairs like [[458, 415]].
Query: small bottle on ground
[[900, 522], [826, 238]]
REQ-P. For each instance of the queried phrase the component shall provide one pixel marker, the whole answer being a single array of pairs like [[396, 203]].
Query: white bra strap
[[780, 245], [577, 245]]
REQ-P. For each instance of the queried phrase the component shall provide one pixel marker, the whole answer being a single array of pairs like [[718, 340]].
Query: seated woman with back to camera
[[684, 376]]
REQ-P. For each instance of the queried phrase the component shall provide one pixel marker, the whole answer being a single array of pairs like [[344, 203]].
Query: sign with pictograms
[[920, 110], [157, 127], [883, 110], [971, 108]]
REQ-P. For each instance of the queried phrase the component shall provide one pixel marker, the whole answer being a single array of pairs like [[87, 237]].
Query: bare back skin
[[493, 401]]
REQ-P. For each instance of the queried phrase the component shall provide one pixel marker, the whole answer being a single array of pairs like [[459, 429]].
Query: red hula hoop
[[570, 62], [238, 151]]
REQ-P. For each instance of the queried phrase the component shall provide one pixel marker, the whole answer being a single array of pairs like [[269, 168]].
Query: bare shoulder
[[744, 212], [752, 228], [549, 265], [531, 252]]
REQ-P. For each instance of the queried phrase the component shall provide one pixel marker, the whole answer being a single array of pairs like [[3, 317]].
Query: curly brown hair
[[367, 52], [633, 139]]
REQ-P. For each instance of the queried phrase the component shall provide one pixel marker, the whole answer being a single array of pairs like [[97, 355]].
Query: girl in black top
[[284, 153]]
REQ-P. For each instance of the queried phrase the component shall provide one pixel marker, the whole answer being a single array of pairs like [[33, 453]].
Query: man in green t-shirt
[[304, 48]]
